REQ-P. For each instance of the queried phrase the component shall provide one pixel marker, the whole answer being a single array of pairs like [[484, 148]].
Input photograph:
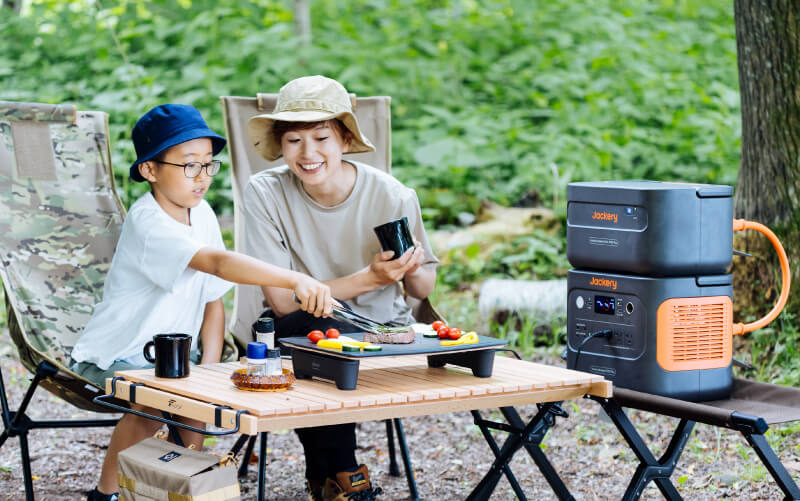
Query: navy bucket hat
[[165, 126]]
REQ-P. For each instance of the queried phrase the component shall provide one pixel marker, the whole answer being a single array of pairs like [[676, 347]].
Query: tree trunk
[[768, 47], [302, 21], [15, 5]]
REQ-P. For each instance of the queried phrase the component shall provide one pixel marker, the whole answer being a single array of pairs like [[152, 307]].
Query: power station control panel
[[590, 311]]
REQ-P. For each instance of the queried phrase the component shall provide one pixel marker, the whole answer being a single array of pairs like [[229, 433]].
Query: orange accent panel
[[694, 333]]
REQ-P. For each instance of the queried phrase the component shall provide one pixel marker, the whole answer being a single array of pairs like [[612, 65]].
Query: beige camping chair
[[374, 119]]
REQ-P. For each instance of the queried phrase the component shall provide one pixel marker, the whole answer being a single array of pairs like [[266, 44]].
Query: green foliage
[[490, 99], [525, 333], [537, 256], [775, 351]]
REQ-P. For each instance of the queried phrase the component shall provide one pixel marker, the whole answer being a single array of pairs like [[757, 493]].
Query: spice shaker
[[274, 367], [265, 331], [256, 359]]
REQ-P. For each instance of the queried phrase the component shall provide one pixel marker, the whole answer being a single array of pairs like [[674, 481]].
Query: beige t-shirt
[[286, 227]]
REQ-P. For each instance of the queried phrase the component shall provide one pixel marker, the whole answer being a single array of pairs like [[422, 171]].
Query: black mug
[[172, 354], [395, 236]]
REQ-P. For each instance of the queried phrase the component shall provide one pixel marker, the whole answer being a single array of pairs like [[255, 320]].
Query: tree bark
[[302, 21], [768, 47], [15, 5]]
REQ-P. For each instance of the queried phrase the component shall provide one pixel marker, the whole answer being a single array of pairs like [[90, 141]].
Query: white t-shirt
[[286, 227], [149, 288]]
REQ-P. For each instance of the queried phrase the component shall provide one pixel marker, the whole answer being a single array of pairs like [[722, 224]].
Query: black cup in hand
[[172, 354], [395, 236]]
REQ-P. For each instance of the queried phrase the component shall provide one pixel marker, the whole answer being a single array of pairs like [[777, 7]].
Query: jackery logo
[[605, 216], [604, 282]]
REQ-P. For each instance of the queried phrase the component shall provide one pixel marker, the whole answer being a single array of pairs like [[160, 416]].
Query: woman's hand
[[386, 271], [314, 296], [418, 258]]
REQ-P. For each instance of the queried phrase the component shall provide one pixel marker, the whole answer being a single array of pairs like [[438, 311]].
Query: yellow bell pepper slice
[[468, 338], [331, 344]]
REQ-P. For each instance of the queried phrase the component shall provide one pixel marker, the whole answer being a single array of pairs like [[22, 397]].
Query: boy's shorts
[[98, 376]]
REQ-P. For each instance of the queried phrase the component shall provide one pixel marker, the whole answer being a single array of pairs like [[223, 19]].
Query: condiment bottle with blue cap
[[256, 359]]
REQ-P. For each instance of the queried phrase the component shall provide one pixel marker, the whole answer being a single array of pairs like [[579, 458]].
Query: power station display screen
[[604, 304]]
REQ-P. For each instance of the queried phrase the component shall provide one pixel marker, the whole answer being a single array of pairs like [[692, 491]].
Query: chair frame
[[19, 424]]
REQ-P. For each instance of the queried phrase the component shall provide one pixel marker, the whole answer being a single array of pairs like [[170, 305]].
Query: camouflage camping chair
[[60, 219], [59, 223], [374, 118]]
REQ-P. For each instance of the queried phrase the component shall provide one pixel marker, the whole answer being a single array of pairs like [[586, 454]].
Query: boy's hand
[[314, 296], [387, 271]]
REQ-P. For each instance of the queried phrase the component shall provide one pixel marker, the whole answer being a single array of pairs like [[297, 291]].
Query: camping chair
[[374, 118], [59, 224], [751, 408]]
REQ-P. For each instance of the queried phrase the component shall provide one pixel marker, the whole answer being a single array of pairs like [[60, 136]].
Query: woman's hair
[[281, 127]]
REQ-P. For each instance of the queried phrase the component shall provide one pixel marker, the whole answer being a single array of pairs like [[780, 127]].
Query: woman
[[316, 215]]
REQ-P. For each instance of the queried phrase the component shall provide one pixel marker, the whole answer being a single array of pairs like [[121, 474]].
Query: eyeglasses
[[192, 169]]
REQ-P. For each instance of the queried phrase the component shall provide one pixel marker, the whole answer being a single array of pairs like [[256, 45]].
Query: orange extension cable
[[741, 225]]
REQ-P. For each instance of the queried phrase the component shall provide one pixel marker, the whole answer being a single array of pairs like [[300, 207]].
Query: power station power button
[[579, 302]]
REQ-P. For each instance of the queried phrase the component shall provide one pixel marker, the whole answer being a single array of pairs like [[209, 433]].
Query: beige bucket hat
[[306, 99]]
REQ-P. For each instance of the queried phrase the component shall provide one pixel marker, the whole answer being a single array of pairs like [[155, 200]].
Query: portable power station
[[650, 227], [669, 336], [650, 306]]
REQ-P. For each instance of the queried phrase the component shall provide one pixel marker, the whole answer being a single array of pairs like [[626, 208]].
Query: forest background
[[492, 100]]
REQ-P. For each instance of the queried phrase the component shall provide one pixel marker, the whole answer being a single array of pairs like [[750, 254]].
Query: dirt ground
[[448, 454]]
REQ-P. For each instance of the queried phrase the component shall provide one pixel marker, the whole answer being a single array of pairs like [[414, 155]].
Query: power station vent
[[695, 333]]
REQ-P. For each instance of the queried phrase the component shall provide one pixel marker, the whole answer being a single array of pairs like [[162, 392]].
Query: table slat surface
[[383, 383]]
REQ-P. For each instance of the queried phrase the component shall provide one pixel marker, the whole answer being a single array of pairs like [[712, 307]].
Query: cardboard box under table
[[156, 470], [388, 387]]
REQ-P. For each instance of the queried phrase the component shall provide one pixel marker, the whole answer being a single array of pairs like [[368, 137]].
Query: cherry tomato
[[443, 332], [438, 325], [316, 336], [332, 333], [454, 333]]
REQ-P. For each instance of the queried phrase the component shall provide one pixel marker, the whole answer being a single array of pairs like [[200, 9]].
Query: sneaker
[[350, 486], [96, 495]]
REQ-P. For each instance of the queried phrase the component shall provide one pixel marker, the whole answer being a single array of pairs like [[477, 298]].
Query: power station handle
[[741, 225]]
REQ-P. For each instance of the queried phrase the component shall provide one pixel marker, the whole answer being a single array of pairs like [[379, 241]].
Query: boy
[[316, 214], [170, 270]]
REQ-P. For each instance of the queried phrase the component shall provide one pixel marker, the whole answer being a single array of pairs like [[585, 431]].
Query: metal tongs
[[362, 322]]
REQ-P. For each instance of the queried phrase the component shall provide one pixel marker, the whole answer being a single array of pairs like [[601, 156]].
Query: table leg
[[487, 435], [515, 441], [532, 446], [394, 470], [262, 465], [650, 468], [401, 437], [758, 442]]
